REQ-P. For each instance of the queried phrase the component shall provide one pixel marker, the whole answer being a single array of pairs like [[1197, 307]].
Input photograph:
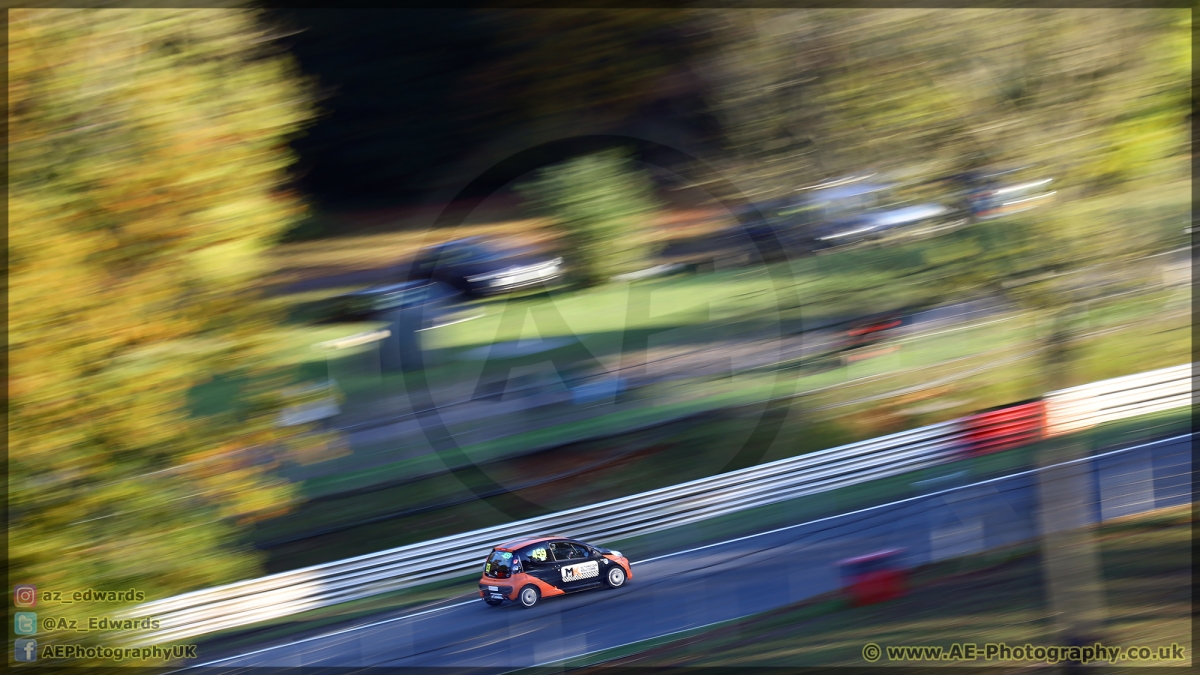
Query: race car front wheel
[[615, 577], [529, 596]]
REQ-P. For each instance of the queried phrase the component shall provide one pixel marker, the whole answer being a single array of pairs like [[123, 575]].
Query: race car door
[[577, 569], [538, 562]]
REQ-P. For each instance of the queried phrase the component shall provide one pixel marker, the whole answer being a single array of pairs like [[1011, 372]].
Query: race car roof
[[522, 543]]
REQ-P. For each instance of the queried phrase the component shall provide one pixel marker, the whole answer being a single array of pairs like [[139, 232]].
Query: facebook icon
[[25, 650]]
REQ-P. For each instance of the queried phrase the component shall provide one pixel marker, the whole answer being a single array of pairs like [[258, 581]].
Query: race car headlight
[[616, 553]]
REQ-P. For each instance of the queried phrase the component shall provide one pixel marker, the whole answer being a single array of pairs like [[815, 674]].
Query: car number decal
[[585, 570]]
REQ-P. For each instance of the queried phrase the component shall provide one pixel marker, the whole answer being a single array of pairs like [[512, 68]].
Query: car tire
[[615, 577], [493, 603], [529, 596]]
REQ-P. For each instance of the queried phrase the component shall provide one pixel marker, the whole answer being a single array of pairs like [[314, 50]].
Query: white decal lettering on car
[[585, 570]]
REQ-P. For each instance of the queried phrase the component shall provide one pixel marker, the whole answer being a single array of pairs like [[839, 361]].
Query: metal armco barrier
[[248, 602], [1003, 428], [1083, 407], [288, 593]]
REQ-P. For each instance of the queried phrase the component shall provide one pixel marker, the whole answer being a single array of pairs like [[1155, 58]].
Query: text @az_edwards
[[91, 595], [99, 623], [999, 651]]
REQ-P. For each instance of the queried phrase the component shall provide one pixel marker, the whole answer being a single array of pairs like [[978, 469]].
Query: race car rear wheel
[[529, 596], [615, 577]]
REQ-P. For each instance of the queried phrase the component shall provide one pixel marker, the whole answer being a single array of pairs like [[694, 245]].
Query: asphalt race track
[[693, 588]]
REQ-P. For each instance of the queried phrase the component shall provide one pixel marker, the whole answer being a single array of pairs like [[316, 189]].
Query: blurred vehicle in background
[[853, 210], [528, 570], [994, 193], [871, 331], [477, 266], [835, 214], [371, 303], [869, 337]]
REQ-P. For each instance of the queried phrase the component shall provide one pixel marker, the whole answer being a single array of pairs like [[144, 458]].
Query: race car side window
[[565, 550], [535, 554]]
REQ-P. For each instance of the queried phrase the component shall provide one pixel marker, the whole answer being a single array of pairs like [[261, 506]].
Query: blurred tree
[[554, 74], [1096, 95], [1110, 83], [1099, 96], [413, 96], [1050, 286], [601, 202], [393, 103], [148, 161], [548, 64]]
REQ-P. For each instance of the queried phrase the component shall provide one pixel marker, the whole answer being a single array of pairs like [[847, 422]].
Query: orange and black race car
[[528, 570]]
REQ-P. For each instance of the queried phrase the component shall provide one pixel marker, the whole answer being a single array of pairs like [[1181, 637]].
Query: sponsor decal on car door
[[576, 569], [580, 571]]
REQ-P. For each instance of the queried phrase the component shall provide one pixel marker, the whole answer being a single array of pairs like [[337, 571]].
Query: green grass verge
[[1104, 356], [840, 284], [692, 450], [921, 360]]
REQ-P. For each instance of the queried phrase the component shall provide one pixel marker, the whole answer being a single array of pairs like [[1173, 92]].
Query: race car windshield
[[499, 565]]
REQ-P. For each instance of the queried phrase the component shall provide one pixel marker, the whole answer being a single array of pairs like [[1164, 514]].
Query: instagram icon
[[25, 595]]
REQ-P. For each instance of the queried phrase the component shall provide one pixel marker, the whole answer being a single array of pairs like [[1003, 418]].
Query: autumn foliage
[[148, 168]]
